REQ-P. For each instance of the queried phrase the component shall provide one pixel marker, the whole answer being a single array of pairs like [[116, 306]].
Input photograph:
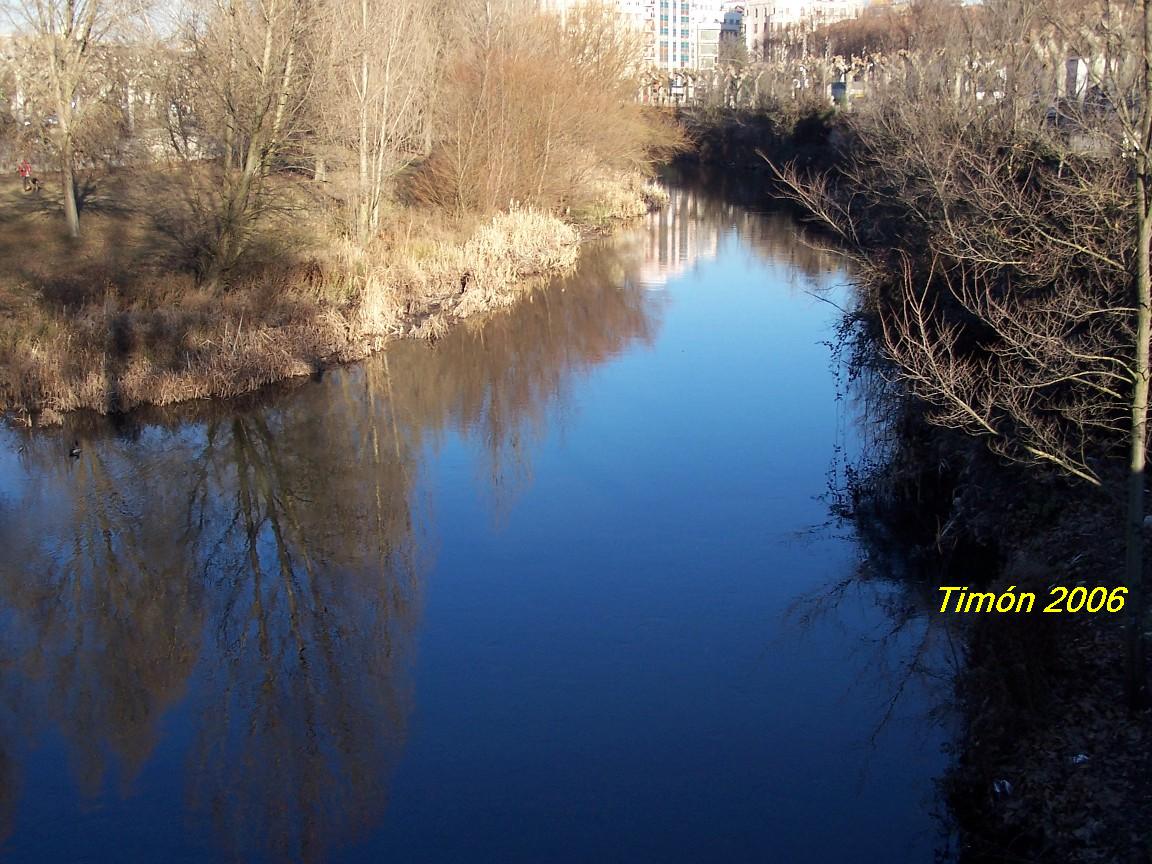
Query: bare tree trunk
[[547, 150], [362, 215], [244, 189], [1134, 559], [68, 181], [69, 41], [229, 118]]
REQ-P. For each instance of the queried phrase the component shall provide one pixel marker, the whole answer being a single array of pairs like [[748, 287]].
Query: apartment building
[[686, 33], [679, 34], [763, 18]]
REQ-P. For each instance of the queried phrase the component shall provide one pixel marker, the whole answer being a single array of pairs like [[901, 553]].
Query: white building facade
[[766, 18], [686, 34], [680, 35]]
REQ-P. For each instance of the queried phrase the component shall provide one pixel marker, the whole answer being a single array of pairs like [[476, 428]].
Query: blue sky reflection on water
[[537, 593]]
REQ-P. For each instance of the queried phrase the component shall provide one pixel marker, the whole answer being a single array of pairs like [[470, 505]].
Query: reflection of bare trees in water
[[314, 604], [911, 658], [259, 568], [499, 377], [913, 649], [88, 584], [273, 548], [778, 240]]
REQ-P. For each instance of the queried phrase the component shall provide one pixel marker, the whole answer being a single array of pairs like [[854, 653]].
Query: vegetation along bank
[[229, 206], [278, 213], [1000, 219]]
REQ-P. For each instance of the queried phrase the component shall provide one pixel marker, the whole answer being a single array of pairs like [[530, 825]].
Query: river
[[563, 586]]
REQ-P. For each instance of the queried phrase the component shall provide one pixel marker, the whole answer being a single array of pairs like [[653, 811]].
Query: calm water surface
[[561, 588]]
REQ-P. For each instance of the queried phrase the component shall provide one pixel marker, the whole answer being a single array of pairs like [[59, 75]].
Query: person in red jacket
[[25, 170]]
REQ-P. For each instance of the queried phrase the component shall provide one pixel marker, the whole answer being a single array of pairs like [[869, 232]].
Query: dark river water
[[562, 587]]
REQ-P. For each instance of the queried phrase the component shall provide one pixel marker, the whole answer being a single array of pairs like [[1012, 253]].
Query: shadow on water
[[270, 555], [260, 561], [230, 593]]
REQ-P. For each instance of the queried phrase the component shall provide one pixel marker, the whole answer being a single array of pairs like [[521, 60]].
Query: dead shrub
[[535, 110]]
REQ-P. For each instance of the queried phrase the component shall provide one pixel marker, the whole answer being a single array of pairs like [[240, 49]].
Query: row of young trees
[[1003, 217], [909, 42], [493, 101]]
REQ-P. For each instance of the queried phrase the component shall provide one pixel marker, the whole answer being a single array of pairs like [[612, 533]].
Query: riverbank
[[114, 322], [1050, 764], [654, 681], [809, 134]]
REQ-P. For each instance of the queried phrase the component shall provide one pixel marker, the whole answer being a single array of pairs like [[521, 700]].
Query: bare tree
[[1020, 308], [535, 107], [253, 75], [376, 92], [65, 36]]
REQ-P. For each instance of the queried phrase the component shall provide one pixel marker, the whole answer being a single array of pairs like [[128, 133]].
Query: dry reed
[[280, 324]]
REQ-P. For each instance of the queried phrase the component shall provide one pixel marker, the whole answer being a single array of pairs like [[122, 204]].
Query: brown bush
[[537, 110]]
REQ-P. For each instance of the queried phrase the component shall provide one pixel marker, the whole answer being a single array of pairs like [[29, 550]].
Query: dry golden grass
[[418, 287], [110, 323], [612, 198]]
